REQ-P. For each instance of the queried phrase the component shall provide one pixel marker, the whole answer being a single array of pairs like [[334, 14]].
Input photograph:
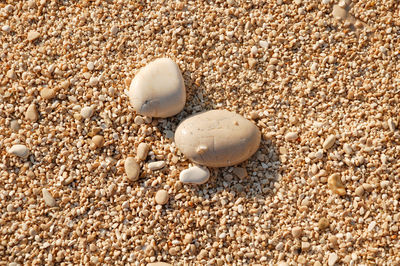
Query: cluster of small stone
[[319, 78]]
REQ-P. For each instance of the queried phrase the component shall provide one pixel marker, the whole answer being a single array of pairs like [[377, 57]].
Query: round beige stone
[[217, 138], [158, 89], [161, 197], [98, 141], [32, 113], [47, 93]]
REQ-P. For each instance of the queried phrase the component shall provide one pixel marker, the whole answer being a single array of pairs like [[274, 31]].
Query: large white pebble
[[19, 150], [158, 89], [217, 138], [195, 175]]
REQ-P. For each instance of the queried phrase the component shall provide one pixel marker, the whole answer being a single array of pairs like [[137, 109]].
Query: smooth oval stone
[[19, 150], [161, 197], [158, 89], [195, 175], [217, 138], [132, 169]]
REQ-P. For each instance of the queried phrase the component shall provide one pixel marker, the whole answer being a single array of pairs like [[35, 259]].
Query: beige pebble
[[11, 74], [132, 169], [14, 125], [139, 120], [290, 136], [217, 138], [252, 62], [339, 12], [32, 113], [142, 151], [33, 35], [333, 240], [65, 84], [329, 141], [391, 125], [47, 93], [335, 184], [297, 232], [195, 175], [161, 197], [359, 191], [323, 223], [19, 150], [188, 238], [305, 246], [333, 258], [158, 89], [368, 187], [153, 166], [87, 111], [240, 172], [114, 29], [48, 198], [98, 141], [347, 149], [254, 115]]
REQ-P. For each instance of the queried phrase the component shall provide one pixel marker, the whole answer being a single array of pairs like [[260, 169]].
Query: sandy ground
[[299, 73]]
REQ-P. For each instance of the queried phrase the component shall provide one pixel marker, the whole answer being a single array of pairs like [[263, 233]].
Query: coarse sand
[[320, 79]]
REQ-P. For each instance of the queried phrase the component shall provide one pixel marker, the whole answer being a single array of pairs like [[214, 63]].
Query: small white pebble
[[329, 141], [87, 111], [254, 50], [6, 28], [264, 44], [153, 166], [19, 150], [114, 30], [90, 66], [290, 136], [48, 198], [371, 226]]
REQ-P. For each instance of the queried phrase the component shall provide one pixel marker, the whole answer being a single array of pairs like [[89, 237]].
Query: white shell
[[158, 89]]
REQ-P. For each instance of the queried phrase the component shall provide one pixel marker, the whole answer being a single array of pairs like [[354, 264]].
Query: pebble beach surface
[[85, 180]]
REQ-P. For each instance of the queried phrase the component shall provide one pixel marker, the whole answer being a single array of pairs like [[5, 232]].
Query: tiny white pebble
[[87, 111], [90, 66], [6, 28], [114, 30], [371, 226], [264, 44], [48, 198], [290, 136], [254, 50]]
